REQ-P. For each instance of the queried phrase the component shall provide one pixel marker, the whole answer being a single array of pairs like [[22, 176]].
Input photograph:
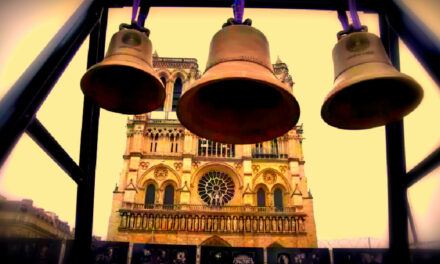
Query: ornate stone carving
[[269, 177], [255, 168], [138, 130], [160, 173], [237, 165], [283, 169], [144, 165], [178, 165], [196, 164]]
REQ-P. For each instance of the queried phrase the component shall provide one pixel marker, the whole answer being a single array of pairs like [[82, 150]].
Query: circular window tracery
[[216, 188]]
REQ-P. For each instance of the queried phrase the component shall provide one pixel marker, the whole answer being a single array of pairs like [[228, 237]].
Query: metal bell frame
[[24, 98]]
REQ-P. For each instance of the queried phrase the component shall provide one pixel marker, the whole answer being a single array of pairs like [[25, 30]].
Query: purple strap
[[238, 8], [135, 9], [343, 19], [143, 13], [354, 15]]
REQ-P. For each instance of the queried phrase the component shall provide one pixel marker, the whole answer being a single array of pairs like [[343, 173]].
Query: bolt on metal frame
[[19, 106]]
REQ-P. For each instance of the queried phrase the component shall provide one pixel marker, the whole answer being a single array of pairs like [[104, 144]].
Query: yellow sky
[[346, 170]]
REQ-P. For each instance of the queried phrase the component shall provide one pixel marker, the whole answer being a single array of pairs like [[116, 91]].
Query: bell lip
[[128, 60], [204, 81], [388, 72]]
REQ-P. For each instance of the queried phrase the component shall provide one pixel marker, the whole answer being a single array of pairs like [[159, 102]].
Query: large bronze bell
[[368, 91], [238, 100], [125, 81]]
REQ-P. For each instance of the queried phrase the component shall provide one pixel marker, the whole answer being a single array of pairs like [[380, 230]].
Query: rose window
[[216, 188]]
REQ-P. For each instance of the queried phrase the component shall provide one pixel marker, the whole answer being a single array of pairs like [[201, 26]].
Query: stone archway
[[275, 244], [215, 241]]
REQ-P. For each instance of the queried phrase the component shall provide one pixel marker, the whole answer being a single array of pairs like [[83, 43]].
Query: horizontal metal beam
[[20, 104], [364, 5], [423, 168], [44, 139]]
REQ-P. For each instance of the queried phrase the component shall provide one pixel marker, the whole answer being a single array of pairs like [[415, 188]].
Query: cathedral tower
[[177, 188]]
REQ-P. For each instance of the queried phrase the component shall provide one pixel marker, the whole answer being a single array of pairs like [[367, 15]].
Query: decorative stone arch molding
[[222, 168], [164, 73], [160, 173], [181, 74], [279, 186], [215, 241], [148, 182], [167, 182], [271, 177], [261, 185], [275, 244]]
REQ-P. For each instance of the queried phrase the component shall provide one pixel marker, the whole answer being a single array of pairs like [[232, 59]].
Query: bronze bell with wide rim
[[368, 91], [125, 81], [238, 100]]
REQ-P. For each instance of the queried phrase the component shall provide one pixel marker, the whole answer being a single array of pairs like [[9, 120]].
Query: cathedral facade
[[177, 188]]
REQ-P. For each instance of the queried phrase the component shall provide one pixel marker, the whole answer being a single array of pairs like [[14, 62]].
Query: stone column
[[169, 95]]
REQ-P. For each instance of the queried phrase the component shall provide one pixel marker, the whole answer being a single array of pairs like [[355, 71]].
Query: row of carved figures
[[224, 224]]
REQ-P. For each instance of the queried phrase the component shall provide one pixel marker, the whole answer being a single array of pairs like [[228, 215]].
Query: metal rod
[[396, 166], [362, 5], [89, 140], [423, 168], [44, 139], [25, 97], [419, 38], [411, 223]]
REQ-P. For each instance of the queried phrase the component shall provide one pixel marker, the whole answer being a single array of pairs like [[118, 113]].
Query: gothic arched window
[[274, 148], [154, 138], [162, 79], [150, 196], [168, 197], [174, 143], [177, 91], [261, 198], [278, 199]]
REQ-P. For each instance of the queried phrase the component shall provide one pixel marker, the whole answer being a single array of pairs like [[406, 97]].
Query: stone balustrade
[[203, 218]]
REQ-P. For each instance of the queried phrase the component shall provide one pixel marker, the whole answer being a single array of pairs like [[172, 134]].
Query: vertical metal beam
[[396, 166], [87, 162]]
